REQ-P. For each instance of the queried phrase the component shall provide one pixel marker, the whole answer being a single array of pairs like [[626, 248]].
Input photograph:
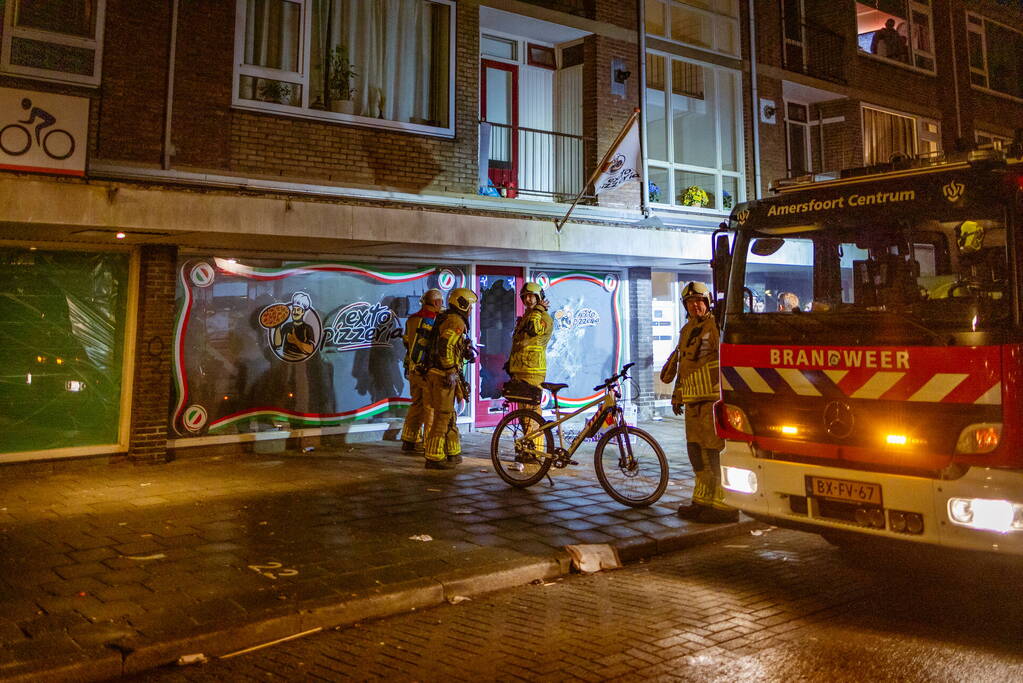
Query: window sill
[[28, 73], [346, 119], [996, 93], [895, 62]]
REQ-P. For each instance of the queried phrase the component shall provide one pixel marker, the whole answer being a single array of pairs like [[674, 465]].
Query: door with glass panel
[[499, 308], [499, 106]]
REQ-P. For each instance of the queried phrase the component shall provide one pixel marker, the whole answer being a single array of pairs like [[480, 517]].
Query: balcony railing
[[538, 164], [819, 53]]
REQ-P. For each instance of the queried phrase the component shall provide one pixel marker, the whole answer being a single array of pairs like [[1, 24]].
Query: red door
[[499, 308], [499, 106]]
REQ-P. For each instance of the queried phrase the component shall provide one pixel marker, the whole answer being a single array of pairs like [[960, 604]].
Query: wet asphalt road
[[778, 606]]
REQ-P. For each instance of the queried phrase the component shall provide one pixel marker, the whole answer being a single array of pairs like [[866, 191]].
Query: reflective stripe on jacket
[[529, 342], [697, 351]]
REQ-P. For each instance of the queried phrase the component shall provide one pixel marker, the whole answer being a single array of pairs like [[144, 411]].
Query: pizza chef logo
[[617, 163], [361, 325], [294, 330]]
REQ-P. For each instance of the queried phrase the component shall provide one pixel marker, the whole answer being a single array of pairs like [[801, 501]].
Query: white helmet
[[696, 290]]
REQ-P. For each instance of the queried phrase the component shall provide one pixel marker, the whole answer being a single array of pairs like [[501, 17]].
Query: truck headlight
[[738, 479], [986, 514]]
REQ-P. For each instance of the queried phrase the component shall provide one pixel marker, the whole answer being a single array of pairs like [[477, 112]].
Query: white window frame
[[975, 24], [302, 77], [95, 44], [983, 137], [923, 7], [805, 127], [921, 135], [718, 172], [718, 19]]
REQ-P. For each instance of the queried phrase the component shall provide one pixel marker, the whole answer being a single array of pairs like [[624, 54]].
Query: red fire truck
[[877, 389]]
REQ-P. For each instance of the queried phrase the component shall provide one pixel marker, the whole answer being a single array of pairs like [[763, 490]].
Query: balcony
[[815, 51], [536, 164]]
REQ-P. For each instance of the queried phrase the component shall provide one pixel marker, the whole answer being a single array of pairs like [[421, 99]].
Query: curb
[[128, 657]]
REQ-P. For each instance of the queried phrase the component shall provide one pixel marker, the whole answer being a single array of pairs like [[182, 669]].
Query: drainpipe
[[754, 99], [955, 71], [169, 107], [644, 191]]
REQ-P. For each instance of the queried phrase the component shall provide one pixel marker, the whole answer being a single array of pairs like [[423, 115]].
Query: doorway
[[499, 308], [499, 106]]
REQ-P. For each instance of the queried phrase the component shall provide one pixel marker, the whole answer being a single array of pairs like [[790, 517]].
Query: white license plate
[[844, 489]]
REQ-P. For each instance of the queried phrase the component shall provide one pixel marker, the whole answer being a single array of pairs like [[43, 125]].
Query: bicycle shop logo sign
[[43, 133]]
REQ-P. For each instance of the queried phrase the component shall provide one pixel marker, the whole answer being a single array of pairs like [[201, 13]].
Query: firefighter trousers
[[443, 439], [420, 414]]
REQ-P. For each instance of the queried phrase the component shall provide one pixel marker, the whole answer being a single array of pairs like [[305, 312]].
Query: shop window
[[693, 118], [896, 30], [57, 40], [370, 62], [996, 56], [887, 134], [63, 334], [708, 24]]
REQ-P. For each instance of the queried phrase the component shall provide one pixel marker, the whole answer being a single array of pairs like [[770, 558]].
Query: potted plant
[[340, 79], [694, 196], [275, 91]]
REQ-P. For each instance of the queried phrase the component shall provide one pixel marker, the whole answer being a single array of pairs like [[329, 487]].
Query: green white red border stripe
[[310, 419], [234, 268], [598, 280]]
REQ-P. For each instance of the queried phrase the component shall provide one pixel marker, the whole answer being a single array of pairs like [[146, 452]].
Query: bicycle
[[624, 470], [63, 142]]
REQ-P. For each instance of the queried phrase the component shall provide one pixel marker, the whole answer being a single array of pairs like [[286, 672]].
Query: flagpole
[[599, 169]]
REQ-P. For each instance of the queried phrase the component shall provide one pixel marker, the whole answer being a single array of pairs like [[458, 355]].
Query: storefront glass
[[63, 334], [266, 345]]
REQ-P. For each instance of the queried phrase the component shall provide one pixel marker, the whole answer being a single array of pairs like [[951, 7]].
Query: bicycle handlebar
[[623, 374]]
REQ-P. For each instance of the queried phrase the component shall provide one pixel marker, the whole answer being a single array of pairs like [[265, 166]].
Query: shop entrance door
[[498, 288]]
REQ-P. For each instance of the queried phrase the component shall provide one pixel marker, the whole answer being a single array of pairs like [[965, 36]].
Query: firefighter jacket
[[696, 372], [449, 343], [418, 330], [529, 343]]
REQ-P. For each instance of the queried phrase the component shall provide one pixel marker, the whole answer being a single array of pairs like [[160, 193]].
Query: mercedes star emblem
[[838, 419]]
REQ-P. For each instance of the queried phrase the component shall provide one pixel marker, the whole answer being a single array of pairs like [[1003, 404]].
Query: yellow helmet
[[432, 293], [696, 290], [462, 299], [532, 288]]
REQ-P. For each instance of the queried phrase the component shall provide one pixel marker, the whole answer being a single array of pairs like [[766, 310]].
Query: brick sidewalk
[[112, 569]]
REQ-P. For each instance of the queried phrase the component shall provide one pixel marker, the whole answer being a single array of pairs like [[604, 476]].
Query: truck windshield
[[929, 272]]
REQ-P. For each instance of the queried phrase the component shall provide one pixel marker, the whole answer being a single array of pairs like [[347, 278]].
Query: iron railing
[[536, 163], [820, 53]]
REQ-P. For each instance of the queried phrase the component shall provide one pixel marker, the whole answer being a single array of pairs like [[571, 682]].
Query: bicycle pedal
[[572, 462]]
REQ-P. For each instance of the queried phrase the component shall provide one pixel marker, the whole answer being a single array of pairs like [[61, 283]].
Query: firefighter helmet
[[462, 299], [696, 290], [532, 288], [431, 294]]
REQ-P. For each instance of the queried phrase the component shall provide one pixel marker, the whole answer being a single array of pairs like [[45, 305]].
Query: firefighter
[[449, 349], [694, 367], [528, 360], [417, 337]]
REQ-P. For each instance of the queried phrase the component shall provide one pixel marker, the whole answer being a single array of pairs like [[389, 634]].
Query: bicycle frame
[[610, 401]]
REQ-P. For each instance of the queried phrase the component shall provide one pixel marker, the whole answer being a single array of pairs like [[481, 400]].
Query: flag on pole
[[622, 164]]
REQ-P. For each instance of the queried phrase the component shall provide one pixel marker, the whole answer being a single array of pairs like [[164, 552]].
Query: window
[[996, 56], [502, 48], [382, 63], [996, 141], [708, 24], [693, 125], [897, 30], [58, 40], [887, 134], [797, 125]]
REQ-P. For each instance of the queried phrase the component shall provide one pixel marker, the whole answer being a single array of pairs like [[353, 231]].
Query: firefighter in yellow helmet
[[694, 367], [449, 349], [528, 359], [418, 330]]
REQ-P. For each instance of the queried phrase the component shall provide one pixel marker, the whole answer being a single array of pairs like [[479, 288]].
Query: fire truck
[[877, 389]]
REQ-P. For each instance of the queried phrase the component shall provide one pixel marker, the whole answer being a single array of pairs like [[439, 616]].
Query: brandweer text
[[832, 358]]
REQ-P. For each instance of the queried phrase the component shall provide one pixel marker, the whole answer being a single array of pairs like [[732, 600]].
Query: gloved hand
[[506, 368], [470, 354], [676, 408]]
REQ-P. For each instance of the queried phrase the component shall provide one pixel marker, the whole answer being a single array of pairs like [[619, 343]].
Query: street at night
[[767, 606]]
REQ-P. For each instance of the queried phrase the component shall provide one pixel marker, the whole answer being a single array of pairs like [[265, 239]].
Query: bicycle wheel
[[634, 475], [9, 142], [517, 463], [63, 145]]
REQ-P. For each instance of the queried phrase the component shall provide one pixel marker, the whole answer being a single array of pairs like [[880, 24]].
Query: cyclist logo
[[17, 139]]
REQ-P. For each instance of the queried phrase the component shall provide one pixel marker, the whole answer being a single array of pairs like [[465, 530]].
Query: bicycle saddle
[[553, 387]]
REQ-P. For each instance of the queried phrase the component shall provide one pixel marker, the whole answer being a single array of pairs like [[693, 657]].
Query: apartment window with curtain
[[694, 150], [707, 24], [896, 30], [887, 134], [54, 40], [383, 63], [996, 56]]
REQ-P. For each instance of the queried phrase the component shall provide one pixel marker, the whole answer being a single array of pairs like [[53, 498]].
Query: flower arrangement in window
[[274, 91], [654, 192], [694, 195], [726, 199], [339, 80]]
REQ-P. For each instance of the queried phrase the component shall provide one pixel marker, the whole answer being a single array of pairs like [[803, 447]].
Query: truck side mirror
[[721, 262]]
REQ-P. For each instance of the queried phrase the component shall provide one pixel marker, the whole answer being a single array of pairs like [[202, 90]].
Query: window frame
[[10, 32], [921, 135], [805, 129], [718, 172], [981, 32], [994, 139], [305, 58], [924, 7], [717, 19]]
